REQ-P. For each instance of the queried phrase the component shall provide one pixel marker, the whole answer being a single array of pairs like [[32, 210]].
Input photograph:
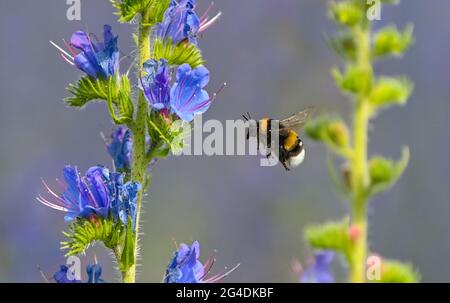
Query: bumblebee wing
[[298, 120]]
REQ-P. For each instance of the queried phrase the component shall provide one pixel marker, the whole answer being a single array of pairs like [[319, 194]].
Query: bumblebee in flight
[[291, 150]]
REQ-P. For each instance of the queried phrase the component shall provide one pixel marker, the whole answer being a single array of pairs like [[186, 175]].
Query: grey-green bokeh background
[[275, 60]]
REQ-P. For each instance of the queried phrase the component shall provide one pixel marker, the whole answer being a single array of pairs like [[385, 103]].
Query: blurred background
[[274, 57]]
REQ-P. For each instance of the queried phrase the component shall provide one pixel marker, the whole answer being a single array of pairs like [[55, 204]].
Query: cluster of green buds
[[361, 177]]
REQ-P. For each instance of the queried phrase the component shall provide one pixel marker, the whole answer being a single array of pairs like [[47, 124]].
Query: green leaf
[[82, 233], [390, 41], [388, 91], [114, 90], [127, 258], [152, 10], [120, 96], [166, 135], [397, 272], [330, 236], [87, 89], [384, 173], [178, 54]]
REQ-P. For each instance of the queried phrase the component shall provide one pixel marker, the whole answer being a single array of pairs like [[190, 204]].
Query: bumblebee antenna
[[247, 116]]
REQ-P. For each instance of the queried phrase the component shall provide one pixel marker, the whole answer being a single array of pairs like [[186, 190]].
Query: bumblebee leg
[[285, 166]]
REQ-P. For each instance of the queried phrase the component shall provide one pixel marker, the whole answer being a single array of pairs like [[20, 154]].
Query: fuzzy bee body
[[291, 150]]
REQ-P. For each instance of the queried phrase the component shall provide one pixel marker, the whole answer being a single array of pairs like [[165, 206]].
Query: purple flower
[[187, 96], [94, 272], [185, 266], [180, 22], [98, 193], [97, 59], [63, 276], [126, 204], [319, 270], [156, 83], [120, 148]]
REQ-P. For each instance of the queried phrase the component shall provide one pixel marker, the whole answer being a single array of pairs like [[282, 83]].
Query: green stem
[[360, 173], [138, 170]]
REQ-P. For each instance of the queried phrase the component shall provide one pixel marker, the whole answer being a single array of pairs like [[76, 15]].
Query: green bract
[[331, 131], [397, 272], [390, 41], [384, 173], [178, 54], [355, 80], [83, 233], [347, 13], [343, 45], [153, 10], [116, 91], [388, 91], [330, 236]]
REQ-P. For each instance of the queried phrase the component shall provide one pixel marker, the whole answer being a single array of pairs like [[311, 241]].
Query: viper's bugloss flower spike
[[185, 266], [120, 148], [181, 23], [156, 83], [98, 193], [97, 59], [319, 270]]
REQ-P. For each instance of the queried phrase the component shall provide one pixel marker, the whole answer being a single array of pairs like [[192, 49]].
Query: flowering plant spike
[[361, 177], [104, 205]]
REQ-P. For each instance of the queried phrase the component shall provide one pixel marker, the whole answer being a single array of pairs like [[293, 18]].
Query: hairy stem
[[360, 174], [138, 170]]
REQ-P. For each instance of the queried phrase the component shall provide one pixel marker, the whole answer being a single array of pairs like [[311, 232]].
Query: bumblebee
[[291, 150]]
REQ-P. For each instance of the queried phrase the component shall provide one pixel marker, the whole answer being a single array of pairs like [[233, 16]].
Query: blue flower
[[187, 96], [97, 59], [126, 206], [319, 270], [94, 272], [185, 266], [156, 83], [62, 276], [120, 148], [180, 22], [98, 193]]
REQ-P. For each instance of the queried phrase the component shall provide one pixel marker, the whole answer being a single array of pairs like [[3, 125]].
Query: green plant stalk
[[138, 170], [359, 164]]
